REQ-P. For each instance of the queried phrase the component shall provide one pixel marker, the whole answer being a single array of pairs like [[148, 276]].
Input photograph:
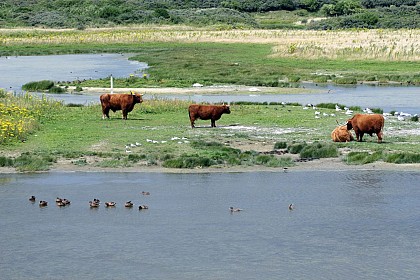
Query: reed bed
[[383, 45]]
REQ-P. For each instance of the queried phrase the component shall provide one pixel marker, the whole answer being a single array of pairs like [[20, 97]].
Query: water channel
[[21, 70], [345, 225]]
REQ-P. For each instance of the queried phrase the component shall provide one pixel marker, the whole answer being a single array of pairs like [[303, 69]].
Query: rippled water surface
[[346, 225]]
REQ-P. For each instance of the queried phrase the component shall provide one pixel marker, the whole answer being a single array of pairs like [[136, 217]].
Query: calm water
[[24, 69], [21, 70], [346, 225]]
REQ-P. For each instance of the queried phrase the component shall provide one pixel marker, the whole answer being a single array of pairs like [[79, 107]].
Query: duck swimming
[[141, 207], [110, 204], [93, 204], [129, 204], [232, 209], [32, 199], [43, 203]]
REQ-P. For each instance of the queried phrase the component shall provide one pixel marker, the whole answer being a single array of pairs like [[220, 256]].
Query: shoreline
[[321, 165]]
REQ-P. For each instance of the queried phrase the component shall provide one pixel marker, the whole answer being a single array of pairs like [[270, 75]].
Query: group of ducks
[[95, 203]]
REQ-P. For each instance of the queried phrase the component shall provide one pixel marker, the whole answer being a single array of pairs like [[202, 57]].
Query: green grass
[[163, 129], [182, 64]]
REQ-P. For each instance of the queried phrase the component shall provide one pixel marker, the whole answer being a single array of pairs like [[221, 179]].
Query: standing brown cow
[[124, 102], [207, 112], [369, 124]]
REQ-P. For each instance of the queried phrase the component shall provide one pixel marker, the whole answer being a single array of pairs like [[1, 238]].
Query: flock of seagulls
[[95, 203], [130, 146], [401, 116]]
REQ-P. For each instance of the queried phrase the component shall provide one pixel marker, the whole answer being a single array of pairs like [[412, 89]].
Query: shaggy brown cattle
[[115, 102], [341, 134], [207, 112], [369, 124]]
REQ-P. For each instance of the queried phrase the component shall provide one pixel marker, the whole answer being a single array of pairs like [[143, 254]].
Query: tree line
[[98, 13]]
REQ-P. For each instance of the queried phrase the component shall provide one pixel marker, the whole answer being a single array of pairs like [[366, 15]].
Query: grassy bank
[[158, 133], [180, 56]]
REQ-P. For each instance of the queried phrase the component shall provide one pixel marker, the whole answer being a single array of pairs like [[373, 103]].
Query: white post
[[112, 84]]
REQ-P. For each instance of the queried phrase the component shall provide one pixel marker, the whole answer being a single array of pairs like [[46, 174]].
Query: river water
[[345, 225], [21, 70]]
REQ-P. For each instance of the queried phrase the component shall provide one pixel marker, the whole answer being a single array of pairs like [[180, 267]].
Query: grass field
[[180, 55], [158, 133], [38, 133]]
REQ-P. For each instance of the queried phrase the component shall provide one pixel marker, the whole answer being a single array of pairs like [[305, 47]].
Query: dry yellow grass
[[386, 45]]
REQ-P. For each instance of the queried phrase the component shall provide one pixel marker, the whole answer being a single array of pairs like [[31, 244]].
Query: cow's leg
[[213, 123], [105, 113], [361, 136], [124, 113]]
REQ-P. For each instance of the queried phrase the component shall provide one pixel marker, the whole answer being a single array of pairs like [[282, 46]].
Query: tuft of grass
[[319, 150], [6, 162], [38, 85], [188, 161], [31, 163], [280, 145], [400, 158], [296, 148], [357, 158]]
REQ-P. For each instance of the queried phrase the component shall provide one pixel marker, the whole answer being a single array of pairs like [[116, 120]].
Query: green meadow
[[38, 134], [158, 134]]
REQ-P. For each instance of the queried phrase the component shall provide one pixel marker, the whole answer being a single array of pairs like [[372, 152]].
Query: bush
[[400, 158], [188, 161], [362, 157], [31, 163], [6, 162], [319, 150], [38, 86], [56, 89], [296, 148], [280, 145]]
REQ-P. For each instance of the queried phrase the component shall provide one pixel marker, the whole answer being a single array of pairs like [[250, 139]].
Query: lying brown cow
[[207, 112], [341, 134], [369, 124], [115, 102]]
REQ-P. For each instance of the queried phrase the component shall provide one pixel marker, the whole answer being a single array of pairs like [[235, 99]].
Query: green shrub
[[56, 89], [319, 150], [415, 118], [38, 86], [30, 163], [296, 148], [188, 161], [400, 158], [345, 81], [6, 162], [280, 145], [363, 157]]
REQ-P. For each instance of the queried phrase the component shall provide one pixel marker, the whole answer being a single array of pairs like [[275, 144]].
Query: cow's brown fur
[[207, 112], [115, 102], [369, 124], [341, 134]]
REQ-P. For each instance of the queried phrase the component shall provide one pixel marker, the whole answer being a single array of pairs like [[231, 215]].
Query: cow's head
[[137, 97], [226, 109], [349, 125]]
